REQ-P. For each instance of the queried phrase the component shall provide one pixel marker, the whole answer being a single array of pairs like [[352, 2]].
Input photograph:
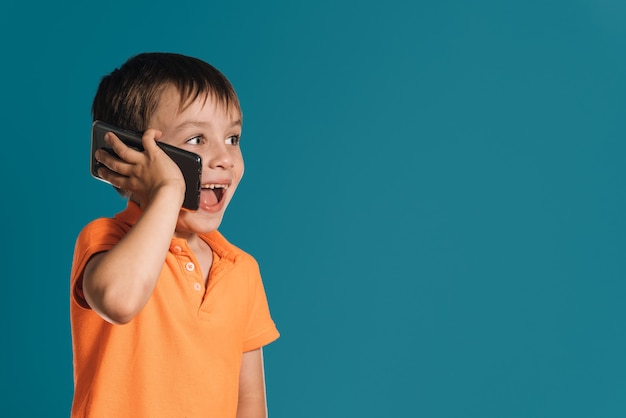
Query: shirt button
[[189, 266], [197, 286], [177, 249]]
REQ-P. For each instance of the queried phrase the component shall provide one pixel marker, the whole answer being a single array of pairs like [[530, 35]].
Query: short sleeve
[[260, 328], [98, 236]]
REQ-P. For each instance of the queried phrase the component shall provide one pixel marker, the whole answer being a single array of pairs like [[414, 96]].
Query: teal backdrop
[[435, 192]]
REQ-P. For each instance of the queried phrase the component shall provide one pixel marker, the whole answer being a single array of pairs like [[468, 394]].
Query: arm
[[118, 283], [252, 402]]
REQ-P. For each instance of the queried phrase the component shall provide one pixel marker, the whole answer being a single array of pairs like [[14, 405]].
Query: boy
[[168, 318]]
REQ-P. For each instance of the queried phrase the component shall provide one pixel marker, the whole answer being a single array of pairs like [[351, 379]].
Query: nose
[[219, 157]]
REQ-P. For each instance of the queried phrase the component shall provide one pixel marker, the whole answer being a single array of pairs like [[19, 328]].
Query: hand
[[142, 173]]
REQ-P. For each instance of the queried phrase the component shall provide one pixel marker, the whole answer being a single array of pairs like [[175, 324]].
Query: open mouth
[[213, 193]]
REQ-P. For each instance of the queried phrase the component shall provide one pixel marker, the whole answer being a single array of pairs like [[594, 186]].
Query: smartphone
[[189, 163]]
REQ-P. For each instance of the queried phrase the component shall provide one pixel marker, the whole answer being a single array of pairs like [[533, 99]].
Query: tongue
[[208, 197]]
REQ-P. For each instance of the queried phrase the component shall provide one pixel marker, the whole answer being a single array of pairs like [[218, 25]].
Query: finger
[[123, 178], [149, 140], [116, 179], [112, 162], [124, 152]]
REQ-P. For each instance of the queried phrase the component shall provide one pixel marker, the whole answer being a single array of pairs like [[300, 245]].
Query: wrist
[[171, 191]]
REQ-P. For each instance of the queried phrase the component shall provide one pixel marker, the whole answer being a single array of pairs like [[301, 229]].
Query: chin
[[199, 222]]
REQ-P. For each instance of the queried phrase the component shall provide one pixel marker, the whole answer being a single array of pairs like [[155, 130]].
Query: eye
[[195, 140], [233, 140]]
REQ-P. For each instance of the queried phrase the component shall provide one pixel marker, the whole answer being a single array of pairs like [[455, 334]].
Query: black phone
[[189, 163]]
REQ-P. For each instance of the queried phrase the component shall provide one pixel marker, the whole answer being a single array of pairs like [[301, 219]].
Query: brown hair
[[129, 96]]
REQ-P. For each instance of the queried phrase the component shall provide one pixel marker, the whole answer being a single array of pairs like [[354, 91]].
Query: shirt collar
[[215, 239]]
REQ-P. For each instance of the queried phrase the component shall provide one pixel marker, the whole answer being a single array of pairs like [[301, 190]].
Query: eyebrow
[[196, 124]]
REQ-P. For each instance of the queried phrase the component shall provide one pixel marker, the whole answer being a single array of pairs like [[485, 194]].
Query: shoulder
[[103, 229], [110, 228]]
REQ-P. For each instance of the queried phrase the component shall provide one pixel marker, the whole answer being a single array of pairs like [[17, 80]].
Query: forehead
[[171, 105]]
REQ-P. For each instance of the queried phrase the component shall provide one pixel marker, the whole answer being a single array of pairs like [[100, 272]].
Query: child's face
[[207, 129]]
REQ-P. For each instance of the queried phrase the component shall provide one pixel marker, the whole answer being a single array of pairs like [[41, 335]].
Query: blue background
[[435, 192]]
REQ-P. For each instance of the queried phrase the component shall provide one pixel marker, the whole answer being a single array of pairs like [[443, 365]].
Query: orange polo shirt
[[181, 355]]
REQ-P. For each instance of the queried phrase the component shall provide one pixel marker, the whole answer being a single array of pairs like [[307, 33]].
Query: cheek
[[240, 166]]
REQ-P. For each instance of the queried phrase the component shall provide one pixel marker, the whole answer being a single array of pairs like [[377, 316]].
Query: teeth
[[215, 186]]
